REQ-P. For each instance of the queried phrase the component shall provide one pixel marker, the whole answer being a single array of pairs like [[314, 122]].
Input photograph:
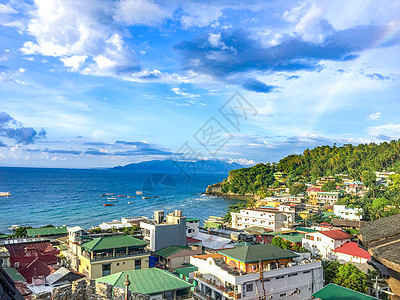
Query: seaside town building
[[261, 217], [356, 188], [324, 242], [192, 227], [111, 254], [49, 232], [347, 213], [351, 252], [327, 198], [163, 232], [334, 292], [254, 272], [173, 257]]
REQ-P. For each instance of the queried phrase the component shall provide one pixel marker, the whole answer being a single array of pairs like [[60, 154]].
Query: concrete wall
[[86, 289], [164, 235]]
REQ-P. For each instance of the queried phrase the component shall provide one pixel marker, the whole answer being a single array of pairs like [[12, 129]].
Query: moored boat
[[131, 202], [131, 196], [121, 196], [103, 195], [5, 194], [145, 197], [139, 193], [112, 198], [108, 204], [109, 194]]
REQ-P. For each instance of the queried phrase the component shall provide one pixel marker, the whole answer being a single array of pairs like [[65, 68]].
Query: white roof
[[214, 242], [75, 229], [57, 275], [110, 225]]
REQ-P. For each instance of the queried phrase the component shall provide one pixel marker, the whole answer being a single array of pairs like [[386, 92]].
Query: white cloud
[[180, 92], [7, 9], [140, 12], [385, 132], [200, 15], [21, 70], [74, 62], [375, 116], [243, 161]]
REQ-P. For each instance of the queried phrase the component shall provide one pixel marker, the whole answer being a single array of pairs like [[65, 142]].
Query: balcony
[[111, 255], [228, 291]]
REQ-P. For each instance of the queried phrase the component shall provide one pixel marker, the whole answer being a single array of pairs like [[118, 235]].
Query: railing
[[220, 287], [110, 255]]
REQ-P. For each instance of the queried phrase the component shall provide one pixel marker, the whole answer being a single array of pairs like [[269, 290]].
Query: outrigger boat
[[5, 194], [130, 196], [108, 204], [145, 197], [131, 202], [139, 193], [121, 196]]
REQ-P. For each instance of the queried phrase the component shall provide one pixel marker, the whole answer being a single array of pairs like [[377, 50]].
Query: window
[[138, 264], [249, 287], [305, 272], [106, 268], [294, 274], [318, 239], [280, 277], [117, 264], [282, 295]]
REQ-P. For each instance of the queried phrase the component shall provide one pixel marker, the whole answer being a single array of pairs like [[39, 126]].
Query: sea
[[72, 196]]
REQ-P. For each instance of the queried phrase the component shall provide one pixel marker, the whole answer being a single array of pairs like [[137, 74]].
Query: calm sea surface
[[72, 197]]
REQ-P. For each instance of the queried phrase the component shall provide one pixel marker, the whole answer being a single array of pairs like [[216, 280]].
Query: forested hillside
[[313, 164]]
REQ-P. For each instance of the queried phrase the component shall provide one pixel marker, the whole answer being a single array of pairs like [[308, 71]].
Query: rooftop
[[380, 229], [147, 281], [336, 234], [170, 250], [294, 237], [336, 292], [14, 274], [192, 220], [47, 231], [351, 248], [254, 253], [186, 270], [306, 229], [112, 242]]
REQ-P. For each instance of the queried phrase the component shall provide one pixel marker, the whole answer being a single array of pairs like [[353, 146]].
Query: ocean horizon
[[59, 196]]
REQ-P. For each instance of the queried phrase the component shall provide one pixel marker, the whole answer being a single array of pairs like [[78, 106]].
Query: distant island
[[170, 166]]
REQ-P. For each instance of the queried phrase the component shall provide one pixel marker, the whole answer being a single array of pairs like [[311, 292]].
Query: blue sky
[[102, 83]]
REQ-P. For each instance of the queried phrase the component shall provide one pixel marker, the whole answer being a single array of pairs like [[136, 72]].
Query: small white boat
[[139, 193], [5, 194], [113, 198], [131, 202]]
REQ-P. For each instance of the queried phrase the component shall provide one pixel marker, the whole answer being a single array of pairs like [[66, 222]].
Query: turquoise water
[[72, 197]]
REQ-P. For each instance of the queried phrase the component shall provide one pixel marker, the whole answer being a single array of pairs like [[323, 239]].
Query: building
[[212, 243], [192, 227], [158, 284], [256, 271], [341, 223], [312, 193], [348, 213], [260, 217], [335, 292], [351, 252], [292, 236], [47, 231], [213, 222], [112, 254], [289, 210], [74, 248], [356, 188], [173, 257], [327, 198], [115, 224], [164, 232], [323, 242]]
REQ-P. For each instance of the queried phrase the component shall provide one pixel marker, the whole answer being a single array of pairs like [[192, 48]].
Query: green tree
[[330, 270], [351, 277], [287, 245], [329, 186], [21, 232], [278, 241]]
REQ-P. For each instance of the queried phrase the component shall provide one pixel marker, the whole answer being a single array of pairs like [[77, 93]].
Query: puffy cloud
[[385, 132], [377, 76], [23, 135], [144, 12]]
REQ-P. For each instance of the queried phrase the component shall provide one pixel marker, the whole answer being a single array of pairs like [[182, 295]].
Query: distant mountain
[[169, 166]]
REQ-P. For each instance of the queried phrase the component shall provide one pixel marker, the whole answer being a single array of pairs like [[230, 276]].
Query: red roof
[[191, 241], [336, 234], [324, 224], [351, 248], [24, 254], [314, 189], [35, 268]]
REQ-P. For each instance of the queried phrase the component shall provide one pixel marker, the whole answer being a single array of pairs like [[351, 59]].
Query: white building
[[290, 212], [260, 217], [348, 213], [74, 245], [324, 242], [327, 198], [280, 276], [192, 227]]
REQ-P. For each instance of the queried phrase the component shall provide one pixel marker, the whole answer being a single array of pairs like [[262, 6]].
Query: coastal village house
[[256, 272], [350, 252], [325, 241], [347, 213], [164, 232], [192, 227], [173, 257], [111, 254], [261, 217]]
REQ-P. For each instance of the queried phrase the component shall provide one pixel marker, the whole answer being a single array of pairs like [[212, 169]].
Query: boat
[[131, 202], [108, 204], [139, 193], [145, 197], [5, 194], [103, 195], [156, 197], [109, 194], [113, 198], [131, 196], [121, 196]]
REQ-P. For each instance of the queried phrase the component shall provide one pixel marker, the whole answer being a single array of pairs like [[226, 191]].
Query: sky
[[99, 83]]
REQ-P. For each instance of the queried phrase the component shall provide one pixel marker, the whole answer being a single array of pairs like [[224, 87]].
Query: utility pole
[[127, 284]]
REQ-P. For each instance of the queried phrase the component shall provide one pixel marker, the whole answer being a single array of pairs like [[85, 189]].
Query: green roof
[[253, 253], [294, 237], [336, 292], [170, 250], [186, 270], [14, 274], [306, 229], [47, 231], [192, 220], [2, 236], [112, 242], [146, 281]]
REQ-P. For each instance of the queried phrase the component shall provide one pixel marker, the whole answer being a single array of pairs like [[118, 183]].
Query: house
[[192, 227], [35, 269], [187, 274], [212, 243], [62, 276], [312, 193], [327, 198], [323, 242], [157, 283], [47, 232], [255, 271], [111, 254], [261, 217], [356, 188], [351, 252], [173, 257], [347, 223], [115, 224], [74, 241], [163, 232], [335, 292], [292, 236], [348, 213]]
